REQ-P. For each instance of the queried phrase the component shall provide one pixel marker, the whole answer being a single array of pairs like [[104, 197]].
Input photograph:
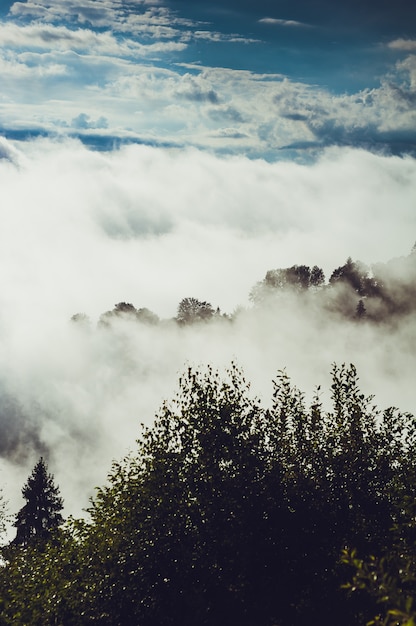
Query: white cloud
[[408, 45], [280, 22], [46, 37], [83, 230], [138, 18], [14, 67], [155, 103]]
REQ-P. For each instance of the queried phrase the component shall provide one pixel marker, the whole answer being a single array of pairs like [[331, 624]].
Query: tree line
[[382, 293], [229, 512]]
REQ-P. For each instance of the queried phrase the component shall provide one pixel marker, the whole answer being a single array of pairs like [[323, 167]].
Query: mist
[[84, 230]]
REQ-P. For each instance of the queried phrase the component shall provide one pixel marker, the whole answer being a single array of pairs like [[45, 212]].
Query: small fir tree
[[42, 511], [360, 311]]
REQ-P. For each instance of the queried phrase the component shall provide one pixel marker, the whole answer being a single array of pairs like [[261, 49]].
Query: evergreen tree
[[360, 311], [41, 513]]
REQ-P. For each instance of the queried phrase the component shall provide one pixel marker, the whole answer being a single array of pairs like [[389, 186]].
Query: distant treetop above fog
[[354, 290]]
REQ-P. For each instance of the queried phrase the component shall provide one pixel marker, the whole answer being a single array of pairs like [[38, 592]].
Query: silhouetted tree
[[317, 277], [125, 310], [296, 278], [360, 311], [230, 513], [42, 512], [235, 514], [193, 310], [356, 275]]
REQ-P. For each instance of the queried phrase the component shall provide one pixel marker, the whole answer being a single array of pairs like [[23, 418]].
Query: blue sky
[[262, 79]]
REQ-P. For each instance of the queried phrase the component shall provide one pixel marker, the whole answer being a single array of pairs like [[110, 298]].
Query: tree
[[147, 316], [317, 277], [42, 512], [127, 311], [3, 515], [356, 275], [192, 310], [41, 584], [232, 513], [298, 278], [81, 318], [360, 311]]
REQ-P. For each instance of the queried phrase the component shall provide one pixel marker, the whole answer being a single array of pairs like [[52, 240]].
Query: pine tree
[[360, 311], [41, 513]]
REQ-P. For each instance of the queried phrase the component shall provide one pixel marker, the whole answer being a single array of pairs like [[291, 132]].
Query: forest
[[229, 510]]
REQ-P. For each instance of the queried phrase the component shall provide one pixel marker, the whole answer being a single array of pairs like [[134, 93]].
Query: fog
[[82, 230]]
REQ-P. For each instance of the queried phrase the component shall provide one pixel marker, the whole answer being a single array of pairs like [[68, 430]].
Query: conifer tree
[[41, 513]]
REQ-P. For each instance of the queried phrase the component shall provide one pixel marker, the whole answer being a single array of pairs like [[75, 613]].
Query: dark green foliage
[[230, 513], [389, 574], [42, 512], [42, 583]]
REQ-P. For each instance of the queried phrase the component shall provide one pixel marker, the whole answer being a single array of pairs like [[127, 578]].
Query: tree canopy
[[230, 512], [191, 310]]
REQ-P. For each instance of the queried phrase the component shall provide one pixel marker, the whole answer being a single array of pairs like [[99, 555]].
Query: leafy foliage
[[192, 310], [41, 583], [297, 278], [229, 512], [390, 577], [126, 311]]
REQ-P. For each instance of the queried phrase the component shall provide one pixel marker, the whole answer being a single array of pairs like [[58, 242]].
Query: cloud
[[84, 122], [279, 22], [147, 18], [46, 36], [196, 89], [214, 37], [117, 61], [98, 13], [226, 113], [84, 230], [15, 67], [408, 45], [157, 104]]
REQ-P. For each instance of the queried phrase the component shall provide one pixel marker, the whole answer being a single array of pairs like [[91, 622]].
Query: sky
[[265, 79], [156, 150]]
